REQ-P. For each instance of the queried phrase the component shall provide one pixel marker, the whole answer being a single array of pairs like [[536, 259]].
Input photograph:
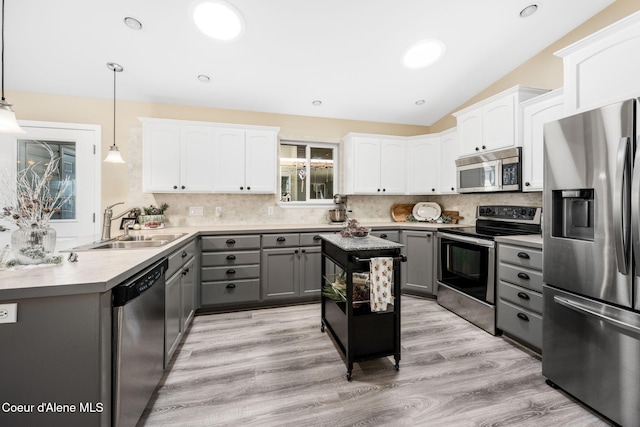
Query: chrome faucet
[[106, 221]]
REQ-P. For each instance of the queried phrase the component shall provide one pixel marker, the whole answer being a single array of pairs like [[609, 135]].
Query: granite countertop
[[368, 243], [101, 270]]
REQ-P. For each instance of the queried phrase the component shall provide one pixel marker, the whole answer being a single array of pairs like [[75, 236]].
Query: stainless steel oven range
[[467, 263]]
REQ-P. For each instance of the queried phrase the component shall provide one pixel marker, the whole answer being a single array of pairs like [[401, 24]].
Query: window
[[307, 172]]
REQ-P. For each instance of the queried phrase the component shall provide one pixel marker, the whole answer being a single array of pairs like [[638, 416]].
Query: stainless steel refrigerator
[[591, 259]]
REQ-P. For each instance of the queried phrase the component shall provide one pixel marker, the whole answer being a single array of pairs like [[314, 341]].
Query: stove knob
[[523, 211], [532, 212]]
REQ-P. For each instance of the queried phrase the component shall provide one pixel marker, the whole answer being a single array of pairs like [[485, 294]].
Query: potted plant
[[153, 216]]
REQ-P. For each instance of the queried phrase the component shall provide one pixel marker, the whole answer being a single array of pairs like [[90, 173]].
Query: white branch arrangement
[[30, 202]]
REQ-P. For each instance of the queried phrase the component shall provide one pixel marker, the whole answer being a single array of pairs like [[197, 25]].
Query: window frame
[[335, 147]]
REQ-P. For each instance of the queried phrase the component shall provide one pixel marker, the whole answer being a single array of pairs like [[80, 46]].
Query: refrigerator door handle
[[586, 310], [635, 208], [621, 206]]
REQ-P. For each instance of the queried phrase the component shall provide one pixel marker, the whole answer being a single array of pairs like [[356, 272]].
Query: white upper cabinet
[[423, 164], [176, 157], [603, 68], [449, 153], [494, 123], [201, 157], [246, 161], [536, 113], [374, 164]]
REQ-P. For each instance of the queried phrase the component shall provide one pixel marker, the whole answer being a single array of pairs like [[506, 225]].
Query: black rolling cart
[[358, 333]]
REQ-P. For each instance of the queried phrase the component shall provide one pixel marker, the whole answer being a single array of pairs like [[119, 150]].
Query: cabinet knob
[[231, 257], [523, 295], [248, 188], [304, 251], [384, 236], [527, 184], [523, 255], [184, 254], [183, 187], [242, 188], [231, 271], [523, 276], [477, 148], [316, 237], [231, 286], [523, 317], [185, 271], [175, 187], [384, 189], [378, 190], [433, 189], [231, 242], [453, 189], [484, 147], [281, 239], [296, 251]]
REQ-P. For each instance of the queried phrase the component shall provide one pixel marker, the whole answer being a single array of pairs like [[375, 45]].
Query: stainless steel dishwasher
[[138, 342]]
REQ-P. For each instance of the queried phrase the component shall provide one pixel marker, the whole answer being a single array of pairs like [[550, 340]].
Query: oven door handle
[[465, 239]]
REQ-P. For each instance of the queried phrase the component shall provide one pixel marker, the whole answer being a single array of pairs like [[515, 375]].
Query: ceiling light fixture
[[114, 154], [218, 19], [8, 122], [423, 53], [420, 102], [133, 23], [204, 79], [528, 11], [316, 103]]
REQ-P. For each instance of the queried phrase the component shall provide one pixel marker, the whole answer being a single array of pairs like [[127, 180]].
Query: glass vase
[[32, 245]]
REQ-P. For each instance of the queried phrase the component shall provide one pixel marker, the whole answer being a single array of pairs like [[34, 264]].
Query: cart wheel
[[397, 366], [322, 327], [348, 376]]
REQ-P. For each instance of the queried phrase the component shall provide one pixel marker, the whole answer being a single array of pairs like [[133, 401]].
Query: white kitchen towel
[[381, 273]]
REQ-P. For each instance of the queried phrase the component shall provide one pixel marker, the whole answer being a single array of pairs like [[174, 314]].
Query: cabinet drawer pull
[[523, 295], [523, 276], [281, 239], [184, 254], [383, 236], [231, 271], [523, 317], [231, 257], [231, 242], [185, 271], [523, 255], [316, 237], [231, 286]]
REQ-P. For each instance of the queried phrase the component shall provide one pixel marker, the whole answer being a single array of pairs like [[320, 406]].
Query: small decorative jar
[[32, 245]]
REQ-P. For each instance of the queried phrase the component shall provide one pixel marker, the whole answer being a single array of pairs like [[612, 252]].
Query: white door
[[392, 166], [77, 146], [366, 166], [196, 158], [161, 158], [229, 162], [261, 161]]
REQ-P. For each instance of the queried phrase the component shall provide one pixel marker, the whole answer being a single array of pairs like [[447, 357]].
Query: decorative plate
[[427, 211]]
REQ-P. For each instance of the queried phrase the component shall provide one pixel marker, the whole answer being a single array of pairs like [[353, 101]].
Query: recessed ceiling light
[[423, 53], [316, 103], [420, 102], [133, 23], [528, 11], [204, 79], [218, 19]]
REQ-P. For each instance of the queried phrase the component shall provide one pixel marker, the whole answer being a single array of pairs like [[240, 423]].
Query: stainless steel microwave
[[490, 172]]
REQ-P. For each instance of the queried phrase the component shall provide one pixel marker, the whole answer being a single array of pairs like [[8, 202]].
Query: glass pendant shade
[[114, 155], [8, 122]]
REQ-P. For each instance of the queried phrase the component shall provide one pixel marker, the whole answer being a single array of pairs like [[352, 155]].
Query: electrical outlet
[[270, 210], [196, 211], [9, 313], [218, 211]]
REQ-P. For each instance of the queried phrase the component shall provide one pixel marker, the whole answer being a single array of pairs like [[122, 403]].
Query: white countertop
[[100, 270], [531, 240]]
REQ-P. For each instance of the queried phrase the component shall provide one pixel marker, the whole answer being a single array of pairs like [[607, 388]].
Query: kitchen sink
[[135, 241]]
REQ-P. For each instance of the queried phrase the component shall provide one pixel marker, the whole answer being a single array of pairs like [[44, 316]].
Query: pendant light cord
[[2, 55], [114, 104]]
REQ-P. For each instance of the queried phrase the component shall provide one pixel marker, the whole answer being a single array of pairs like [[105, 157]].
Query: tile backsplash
[[253, 208]]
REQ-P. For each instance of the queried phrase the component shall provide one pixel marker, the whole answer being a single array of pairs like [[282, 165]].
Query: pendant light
[[114, 154], [8, 122]]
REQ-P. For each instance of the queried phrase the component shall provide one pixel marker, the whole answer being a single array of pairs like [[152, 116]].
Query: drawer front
[[523, 297], [179, 257], [393, 236], [521, 276], [225, 243], [520, 323], [280, 240], [220, 259], [229, 292], [230, 273], [517, 255], [310, 239]]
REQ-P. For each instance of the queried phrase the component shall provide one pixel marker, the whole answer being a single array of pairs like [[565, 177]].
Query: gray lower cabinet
[[290, 271], [519, 290], [418, 273], [230, 272], [392, 235], [180, 297]]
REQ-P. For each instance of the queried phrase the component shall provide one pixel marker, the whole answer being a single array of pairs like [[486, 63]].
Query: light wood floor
[[273, 367]]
